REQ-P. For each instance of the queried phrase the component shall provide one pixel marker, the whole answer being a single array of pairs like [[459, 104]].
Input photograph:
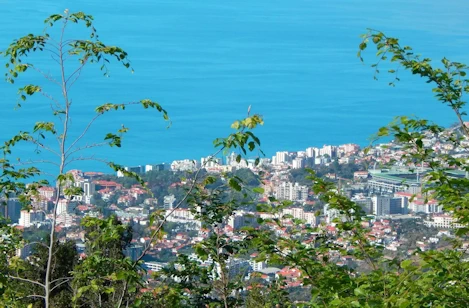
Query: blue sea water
[[207, 61]]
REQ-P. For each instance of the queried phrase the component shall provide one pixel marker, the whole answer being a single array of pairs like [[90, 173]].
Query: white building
[[180, 215], [137, 169], [25, 219], [310, 152], [298, 163], [350, 148], [328, 150], [65, 219], [155, 266], [242, 219], [291, 191], [332, 214], [257, 265], [443, 221], [235, 267], [210, 162], [185, 165], [282, 157], [47, 192], [62, 206], [301, 154], [28, 218], [299, 213], [88, 188], [168, 201]]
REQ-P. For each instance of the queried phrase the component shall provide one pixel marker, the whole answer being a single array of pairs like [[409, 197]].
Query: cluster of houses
[[384, 195]]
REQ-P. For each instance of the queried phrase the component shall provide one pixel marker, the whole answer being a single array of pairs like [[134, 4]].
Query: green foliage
[[105, 277], [64, 259], [185, 274], [260, 295]]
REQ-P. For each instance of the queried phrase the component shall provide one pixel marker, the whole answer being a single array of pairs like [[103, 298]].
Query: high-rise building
[[62, 206], [243, 219], [88, 188], [298, 163], [291, 191], [366, 204], [301, 154], [282, 157], [381, 205], [27, 218], [328, 150], [137, 169], [157, 167], [47, 192], [331, 214], [398, 206], [11, 209], [350, 148], [311, 152]]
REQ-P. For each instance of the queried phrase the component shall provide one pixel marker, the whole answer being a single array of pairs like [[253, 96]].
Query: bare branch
[[47, 76], [35, 295], [62, 278], [55, 59], [65, 280], [33, 162], [37, 143], [81, 158], [84, 131], [26, 280], [69, 41], [38, 243], [30, 296], [78, 72], [57, 103], [87, 146]]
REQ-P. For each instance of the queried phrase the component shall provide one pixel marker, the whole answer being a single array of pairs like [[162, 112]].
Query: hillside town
[[398, 215]]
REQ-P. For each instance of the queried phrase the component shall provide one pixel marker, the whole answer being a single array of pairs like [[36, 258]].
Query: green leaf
[[258, 190], [234, 184], [406, 264], [359, 292]]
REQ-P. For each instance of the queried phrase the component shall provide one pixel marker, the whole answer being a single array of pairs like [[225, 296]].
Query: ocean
[[207, 61]]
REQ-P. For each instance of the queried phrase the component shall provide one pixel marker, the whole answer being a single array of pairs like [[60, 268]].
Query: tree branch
[[81, 158], [37, 143], [78, 72], [84, 132], [33, 162], [39, 243], [65, 280], [26, 280], [88, 146], [47, 76]]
